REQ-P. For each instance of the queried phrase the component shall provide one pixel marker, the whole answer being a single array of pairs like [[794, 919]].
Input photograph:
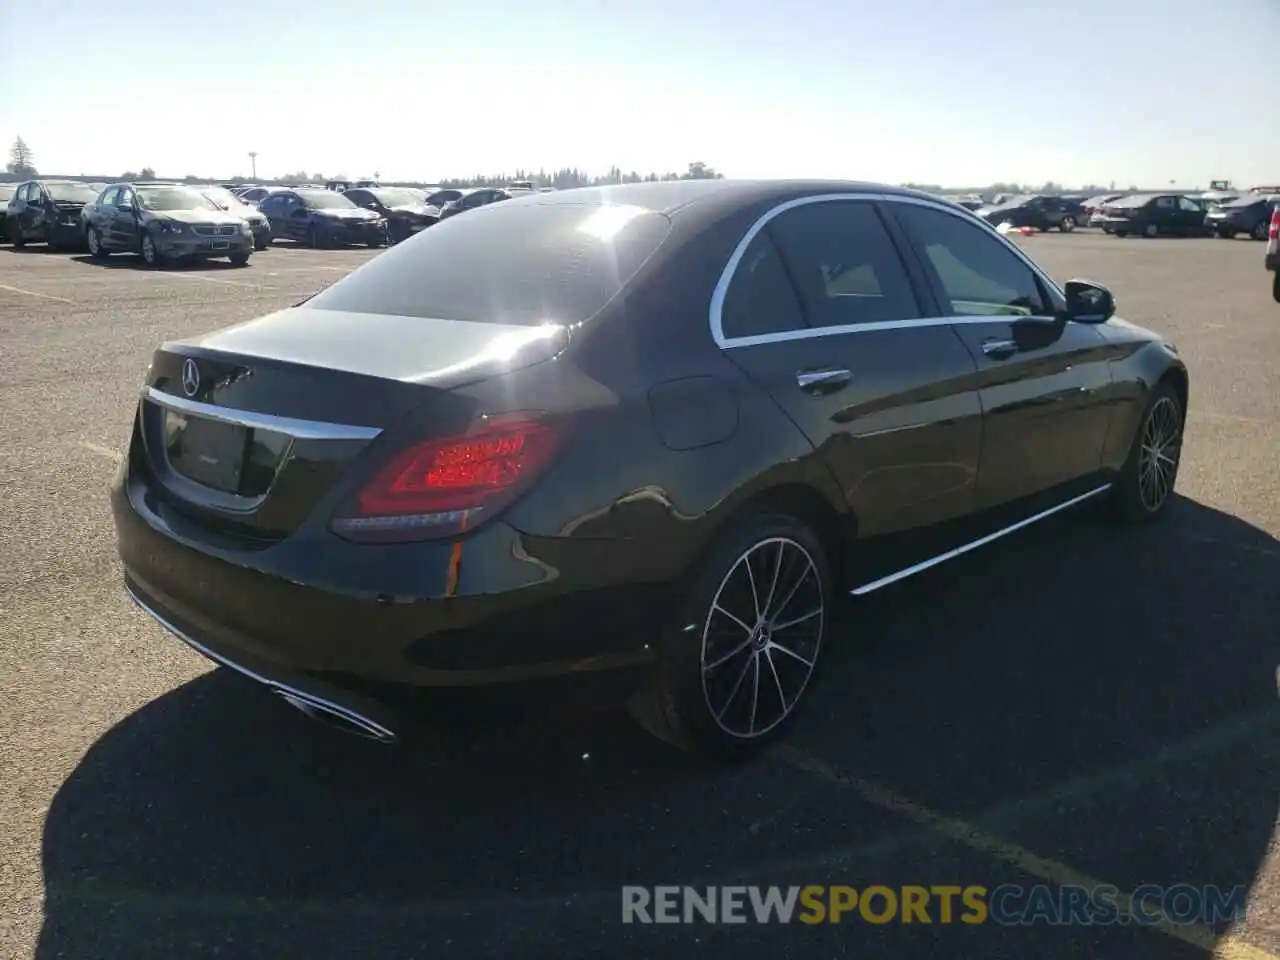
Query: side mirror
[[1088, 302]]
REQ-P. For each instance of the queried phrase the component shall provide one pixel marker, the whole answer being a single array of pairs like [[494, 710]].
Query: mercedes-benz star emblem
[[190, 378]]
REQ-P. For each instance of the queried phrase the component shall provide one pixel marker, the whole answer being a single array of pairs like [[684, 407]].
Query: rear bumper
[[1272, 262], [502, 615]]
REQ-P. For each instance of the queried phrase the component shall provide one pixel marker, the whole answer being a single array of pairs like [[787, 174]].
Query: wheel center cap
[[760, 636]]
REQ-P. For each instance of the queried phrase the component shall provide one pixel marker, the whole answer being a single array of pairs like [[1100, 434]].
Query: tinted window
[[441, 197], [108, 197], [1189, 205], [844, 265], [1165, 203], [760, 298], [271, 204], [978, 273], [517, 263], [359, 197]]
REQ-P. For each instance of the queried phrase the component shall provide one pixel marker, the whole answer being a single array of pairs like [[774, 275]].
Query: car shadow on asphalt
[[133, 261], [1102, 697]]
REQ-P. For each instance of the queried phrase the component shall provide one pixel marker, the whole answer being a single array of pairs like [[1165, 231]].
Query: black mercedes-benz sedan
[[631, 441]]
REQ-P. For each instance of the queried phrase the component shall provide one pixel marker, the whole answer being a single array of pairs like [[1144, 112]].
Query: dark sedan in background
[[322, 218], [626, 442], [1153, 215], [48, 211], [1041, 212], [1272, 258], [404, 209], [1092, 207], [164, 223], [224, 199], [1249, 214], [472, 200], [6, 191]]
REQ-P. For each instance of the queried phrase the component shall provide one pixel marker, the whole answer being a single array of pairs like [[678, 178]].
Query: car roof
[[670, 197]]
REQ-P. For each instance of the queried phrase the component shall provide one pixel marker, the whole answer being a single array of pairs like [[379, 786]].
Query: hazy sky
[[938, 91]]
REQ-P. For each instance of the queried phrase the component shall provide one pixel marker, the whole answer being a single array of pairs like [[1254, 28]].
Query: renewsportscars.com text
[[1006, 905]]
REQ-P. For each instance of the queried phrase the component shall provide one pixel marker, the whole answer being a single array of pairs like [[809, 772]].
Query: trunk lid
[[249, 429]]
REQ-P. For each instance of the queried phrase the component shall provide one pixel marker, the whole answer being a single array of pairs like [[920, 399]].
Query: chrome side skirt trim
[[298, 429], [981, 542], [375, 730]]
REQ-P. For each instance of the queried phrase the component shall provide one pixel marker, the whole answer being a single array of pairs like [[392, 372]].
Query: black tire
[[1139, 495], [1120, 233], [677, 705], [261, 245], [93, 241], [1068, 224], [1151, 231], [239, 259], [15, 234], [1223, 234], [1275, 286], [1260, 230], [153, 258]]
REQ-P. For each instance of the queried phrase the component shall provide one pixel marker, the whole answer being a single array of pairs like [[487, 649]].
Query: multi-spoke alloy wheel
[[1142, 489], [747, 629], [1158, 456], [761, 637]]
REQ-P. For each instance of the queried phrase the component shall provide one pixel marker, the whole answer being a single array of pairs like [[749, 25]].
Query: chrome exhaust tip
[[333, 715]]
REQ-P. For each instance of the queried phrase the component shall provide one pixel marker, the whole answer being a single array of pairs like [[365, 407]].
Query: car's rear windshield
[[173, 198], [443, 196], [525, 263], [325, 200], [72, 192]]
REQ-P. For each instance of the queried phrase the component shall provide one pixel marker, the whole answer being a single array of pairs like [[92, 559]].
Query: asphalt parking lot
[[1076, 704]]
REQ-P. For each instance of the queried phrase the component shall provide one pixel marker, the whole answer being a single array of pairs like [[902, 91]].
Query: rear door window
[[519, 263], [977, 274], [844, 264], [760, 299]]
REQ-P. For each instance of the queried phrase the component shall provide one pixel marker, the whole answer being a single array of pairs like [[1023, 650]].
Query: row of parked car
[[1220, 214], [166, 222]]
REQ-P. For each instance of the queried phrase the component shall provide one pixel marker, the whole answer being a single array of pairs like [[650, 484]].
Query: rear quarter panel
[[628, 472]]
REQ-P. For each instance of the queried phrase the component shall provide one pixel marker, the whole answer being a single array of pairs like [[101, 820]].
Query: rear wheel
[[1150, 231], [1145, 484], [745, 640], [239, 259], [1068, 224], [1275, 286], [1260, 230], [1120, 233]]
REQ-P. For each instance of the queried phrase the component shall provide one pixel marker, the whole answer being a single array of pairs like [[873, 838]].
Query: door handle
[[822, 381], [999, 349]]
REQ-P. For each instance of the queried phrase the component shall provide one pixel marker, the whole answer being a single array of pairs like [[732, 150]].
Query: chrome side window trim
[[730, 268], [298, 429], [975, 544]]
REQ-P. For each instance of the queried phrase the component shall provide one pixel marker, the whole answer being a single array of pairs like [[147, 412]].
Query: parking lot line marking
[[1235, 417], [99, 449], [32, 293], [195, 276], [1197, 935]]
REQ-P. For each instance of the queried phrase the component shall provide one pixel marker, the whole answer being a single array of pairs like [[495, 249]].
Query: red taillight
[[1274, 232], [441, 487]]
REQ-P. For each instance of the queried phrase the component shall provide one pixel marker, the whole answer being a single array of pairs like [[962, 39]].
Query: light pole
[[253, 161]]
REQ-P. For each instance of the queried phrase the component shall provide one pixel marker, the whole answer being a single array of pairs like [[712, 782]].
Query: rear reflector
[[442, 487]]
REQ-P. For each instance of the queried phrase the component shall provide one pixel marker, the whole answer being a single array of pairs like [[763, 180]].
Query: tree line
[[22, 165]]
